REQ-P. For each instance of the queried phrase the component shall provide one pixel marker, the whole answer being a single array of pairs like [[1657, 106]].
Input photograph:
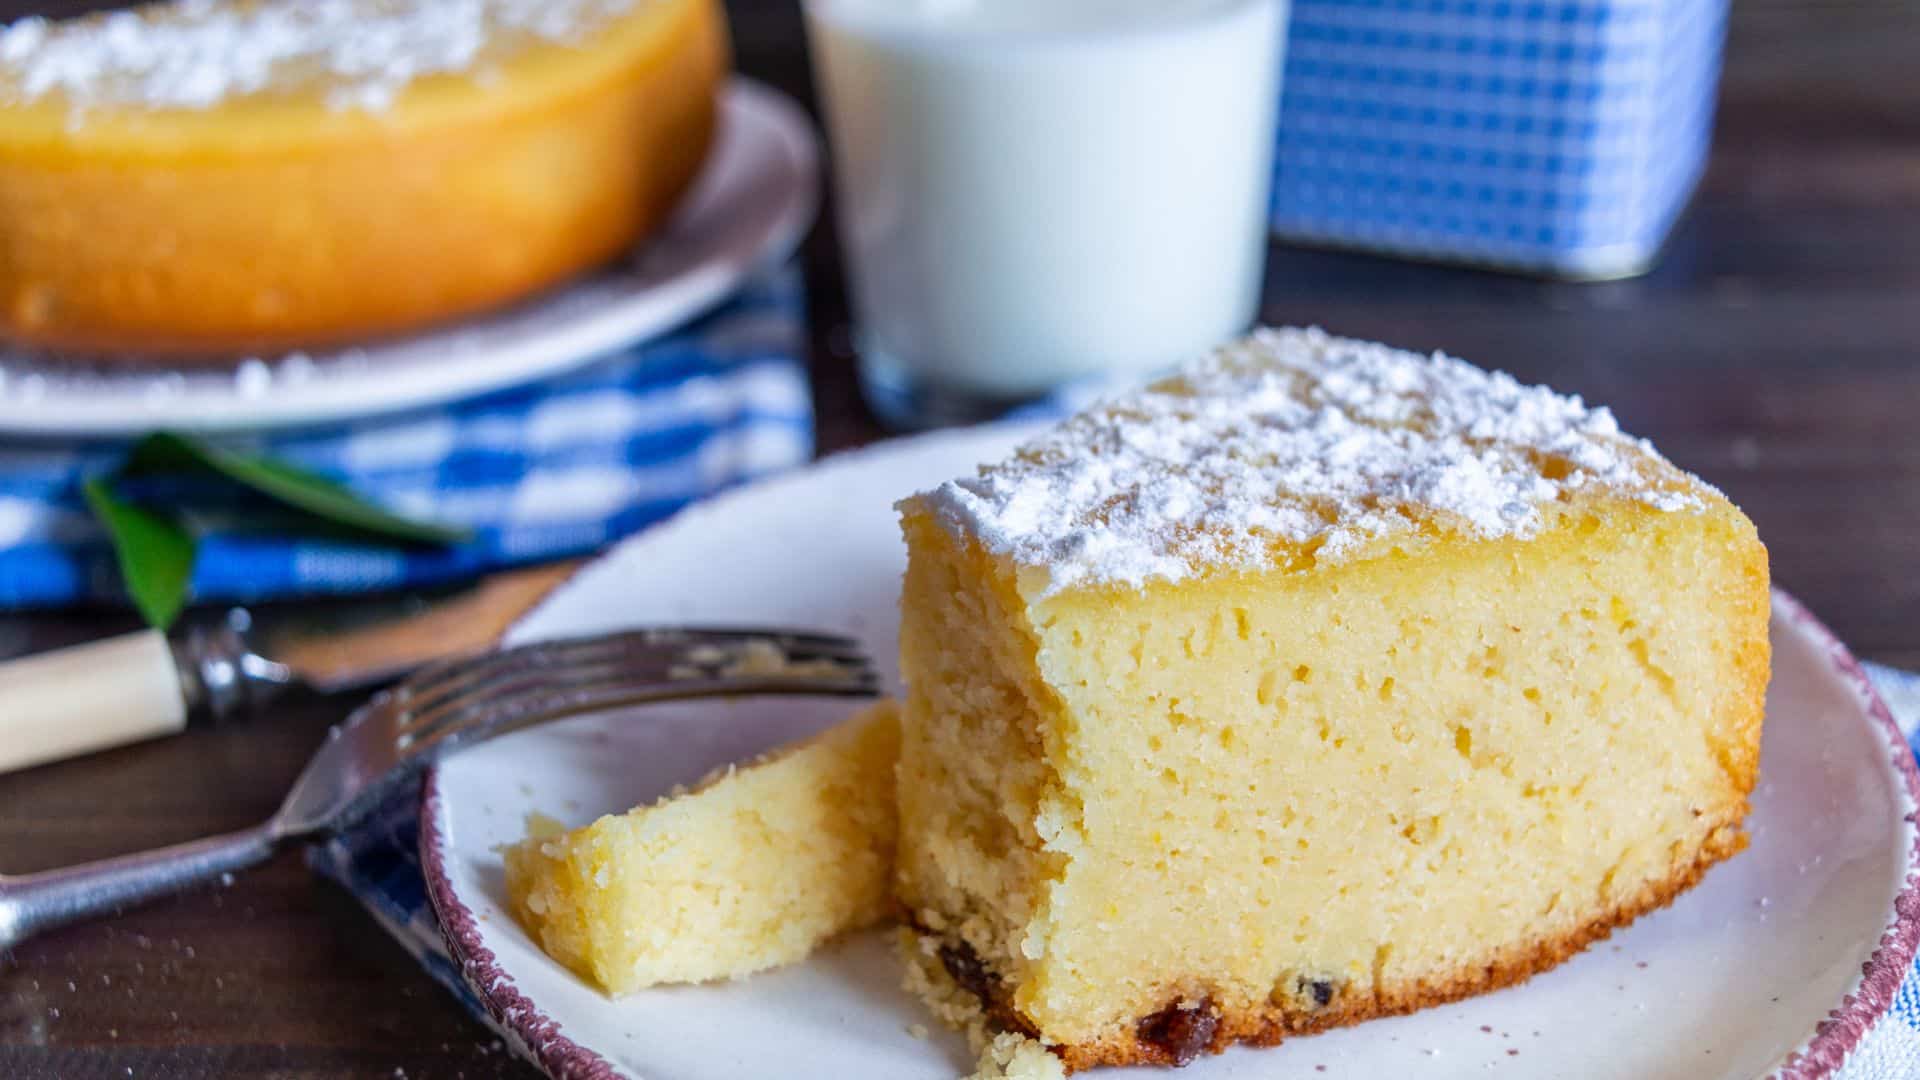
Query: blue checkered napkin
[[1552, 135], [538, 472], [379, 863]]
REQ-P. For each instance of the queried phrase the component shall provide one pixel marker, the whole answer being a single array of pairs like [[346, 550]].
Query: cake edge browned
[[1176, 1036]]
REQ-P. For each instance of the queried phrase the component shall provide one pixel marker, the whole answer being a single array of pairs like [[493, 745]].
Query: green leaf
[[155, 553], [155, 548], [164, 452]]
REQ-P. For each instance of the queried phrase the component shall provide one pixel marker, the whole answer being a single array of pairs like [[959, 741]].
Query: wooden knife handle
[[89, 697]]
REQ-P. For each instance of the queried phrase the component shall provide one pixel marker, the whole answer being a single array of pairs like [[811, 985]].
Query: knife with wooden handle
[[101, 694]]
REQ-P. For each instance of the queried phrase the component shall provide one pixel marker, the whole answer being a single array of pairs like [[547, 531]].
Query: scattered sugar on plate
[[252, 378]]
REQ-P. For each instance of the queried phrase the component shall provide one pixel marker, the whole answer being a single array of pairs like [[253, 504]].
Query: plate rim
[[1880, 978], [710, 281], [540, 1039], [535, 1035]]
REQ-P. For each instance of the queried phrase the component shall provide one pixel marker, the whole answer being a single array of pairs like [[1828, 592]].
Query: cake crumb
[[1013, 1056], [1003, 1055], [927, 979], [760, 656]]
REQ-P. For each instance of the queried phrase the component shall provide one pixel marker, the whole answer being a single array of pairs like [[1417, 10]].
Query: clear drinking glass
[[1031, 192]]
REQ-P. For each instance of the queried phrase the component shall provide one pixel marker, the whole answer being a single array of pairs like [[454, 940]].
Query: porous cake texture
[[1320, 682], [751, 869]]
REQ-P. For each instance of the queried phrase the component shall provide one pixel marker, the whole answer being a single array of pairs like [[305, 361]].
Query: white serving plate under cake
[[1776, 964], [753, 200]]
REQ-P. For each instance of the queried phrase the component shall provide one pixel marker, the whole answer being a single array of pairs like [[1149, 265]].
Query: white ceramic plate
[[1730, 982], [752, 201]]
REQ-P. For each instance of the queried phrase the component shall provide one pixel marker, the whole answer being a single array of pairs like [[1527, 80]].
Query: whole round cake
[[215, 177]]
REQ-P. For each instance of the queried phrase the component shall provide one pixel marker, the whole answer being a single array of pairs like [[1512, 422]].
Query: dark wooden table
[[1776, 351]]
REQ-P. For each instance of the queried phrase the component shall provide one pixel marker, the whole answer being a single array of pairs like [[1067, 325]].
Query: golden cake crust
[[1271, 1026], [274, 220]]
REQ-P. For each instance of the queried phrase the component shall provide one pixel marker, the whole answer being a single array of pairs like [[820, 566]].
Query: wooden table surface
[[1776, 351]]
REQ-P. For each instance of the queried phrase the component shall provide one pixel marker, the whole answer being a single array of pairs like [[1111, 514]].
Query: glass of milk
[[1036, 192]]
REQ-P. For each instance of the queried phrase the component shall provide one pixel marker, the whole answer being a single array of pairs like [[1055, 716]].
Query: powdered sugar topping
[[194, 54], [1296, 436]]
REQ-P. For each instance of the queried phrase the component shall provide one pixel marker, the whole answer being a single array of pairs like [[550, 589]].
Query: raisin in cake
[[1320, 682]]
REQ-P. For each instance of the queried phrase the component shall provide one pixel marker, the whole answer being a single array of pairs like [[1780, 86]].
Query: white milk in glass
[[1035, 191]]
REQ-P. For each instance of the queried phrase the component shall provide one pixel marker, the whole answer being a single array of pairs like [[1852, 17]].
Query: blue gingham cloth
[[537, 472], [1561, 136], [379, 864]]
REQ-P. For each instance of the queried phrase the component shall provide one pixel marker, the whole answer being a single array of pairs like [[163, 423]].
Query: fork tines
[[465, 699]]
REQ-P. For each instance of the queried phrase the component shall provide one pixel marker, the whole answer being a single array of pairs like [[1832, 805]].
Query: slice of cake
[[1321, 682], [753, 868]]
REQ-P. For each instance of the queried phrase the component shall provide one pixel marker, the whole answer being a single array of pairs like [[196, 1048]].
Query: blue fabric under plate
[[538, 472]]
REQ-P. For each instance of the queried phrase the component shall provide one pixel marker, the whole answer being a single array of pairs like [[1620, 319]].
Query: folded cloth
[[537, 472], [379, 864]]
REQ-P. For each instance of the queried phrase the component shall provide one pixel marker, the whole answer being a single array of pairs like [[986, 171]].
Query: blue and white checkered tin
[[1553, 136]]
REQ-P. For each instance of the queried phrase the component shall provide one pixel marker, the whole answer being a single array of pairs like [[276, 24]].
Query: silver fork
[[436, 711]]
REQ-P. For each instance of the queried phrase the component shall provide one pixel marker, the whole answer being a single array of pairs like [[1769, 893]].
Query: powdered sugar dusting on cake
[[194, 54], [1298, 436]]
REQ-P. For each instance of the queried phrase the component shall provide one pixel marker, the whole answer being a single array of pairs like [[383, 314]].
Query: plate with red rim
[[747, 209], [1778, 963]]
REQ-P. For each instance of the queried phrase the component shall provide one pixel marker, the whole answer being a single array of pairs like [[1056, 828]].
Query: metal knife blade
[[248, 656], [352, 645]]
